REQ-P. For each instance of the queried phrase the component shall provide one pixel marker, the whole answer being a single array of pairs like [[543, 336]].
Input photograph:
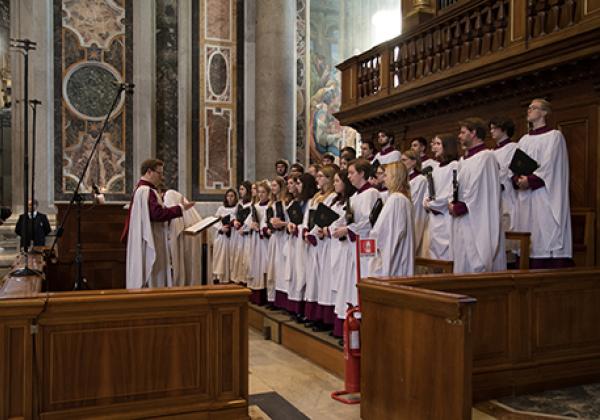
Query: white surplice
[[546, 212], [394, 235], [221, 254], [440, 221], [296, 256], [147, 258], [477, 241], [258, 250], [418, 191], [388, 155], [186, 250], [504, 155], [318, 283], [239, 246], [362, 203], [342, 257], [430, 163], [276, 260]]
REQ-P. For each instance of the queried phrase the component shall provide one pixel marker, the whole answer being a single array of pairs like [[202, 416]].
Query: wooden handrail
[[460, 40]]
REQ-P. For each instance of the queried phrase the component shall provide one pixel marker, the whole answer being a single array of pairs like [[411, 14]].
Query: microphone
[[35, 102], [127, 87]]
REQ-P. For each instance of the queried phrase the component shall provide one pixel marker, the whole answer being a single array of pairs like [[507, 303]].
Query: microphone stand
[[34, 104], [24, 46], [80, 282]]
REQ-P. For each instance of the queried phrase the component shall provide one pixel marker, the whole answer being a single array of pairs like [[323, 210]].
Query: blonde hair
[[329, 171], [266, 185], [396, 178], [412, 155], [544, 104]]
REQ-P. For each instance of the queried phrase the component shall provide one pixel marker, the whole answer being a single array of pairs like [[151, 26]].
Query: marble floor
[[307, 387]]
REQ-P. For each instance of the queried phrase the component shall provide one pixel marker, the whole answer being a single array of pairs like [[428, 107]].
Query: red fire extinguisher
[[351, 357]]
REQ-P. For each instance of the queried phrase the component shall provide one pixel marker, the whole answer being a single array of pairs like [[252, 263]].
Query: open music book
[[201, 225]]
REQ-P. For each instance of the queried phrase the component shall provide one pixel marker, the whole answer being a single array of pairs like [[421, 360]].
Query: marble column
[[33, 19], [184, 86], [249, 89], [275, 84], [144, 78]]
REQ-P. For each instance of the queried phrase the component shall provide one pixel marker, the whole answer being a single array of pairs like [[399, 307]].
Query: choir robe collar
[[380, 188], [263, 203], [364, 188], [142, 182], [413, 174], [474, 150], [503, 143], [370, 158], [425, 158], [539, 130], [387, 150]]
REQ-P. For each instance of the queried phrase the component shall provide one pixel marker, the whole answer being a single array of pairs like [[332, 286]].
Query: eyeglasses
[[533, 108]]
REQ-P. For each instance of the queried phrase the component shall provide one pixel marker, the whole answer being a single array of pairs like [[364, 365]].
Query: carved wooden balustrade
[[468, 36]]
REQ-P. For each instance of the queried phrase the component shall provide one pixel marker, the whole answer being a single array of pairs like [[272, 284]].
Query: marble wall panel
[[216, 102], [92, 52], [219, 18], [167, 99], [218, 149], [218, 75]]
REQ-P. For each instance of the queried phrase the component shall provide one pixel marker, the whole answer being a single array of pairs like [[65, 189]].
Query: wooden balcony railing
[[464, 37]]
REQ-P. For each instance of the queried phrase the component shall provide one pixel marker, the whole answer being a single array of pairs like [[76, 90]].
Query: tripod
[[25, 46], [80, 282]]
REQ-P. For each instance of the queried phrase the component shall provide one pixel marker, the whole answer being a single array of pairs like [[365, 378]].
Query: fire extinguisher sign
[[367, 247]]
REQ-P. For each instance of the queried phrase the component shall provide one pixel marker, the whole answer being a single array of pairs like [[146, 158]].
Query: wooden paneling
[[565, 319], [128, 354], [438, 78], [592, 6], [103, 253], [532, 330], [415, 353], [576, 124]]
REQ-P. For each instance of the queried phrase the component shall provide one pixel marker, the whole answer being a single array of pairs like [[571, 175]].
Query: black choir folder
[[324, 216], [522, 164], [295, 213], [375, 211]]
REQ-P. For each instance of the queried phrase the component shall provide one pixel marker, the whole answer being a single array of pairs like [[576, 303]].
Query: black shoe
[[299, 319], [341, 342], [309, 324], [321, 328]]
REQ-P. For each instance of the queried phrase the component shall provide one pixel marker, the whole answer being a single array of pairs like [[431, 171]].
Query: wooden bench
[[583, 228], [179, 352], [531, 330]]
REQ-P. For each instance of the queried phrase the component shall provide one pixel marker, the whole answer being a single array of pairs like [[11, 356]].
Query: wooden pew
[[583, 226], [180, 352], [524, 239], [429, 265], [532, 329], [416, 353]]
